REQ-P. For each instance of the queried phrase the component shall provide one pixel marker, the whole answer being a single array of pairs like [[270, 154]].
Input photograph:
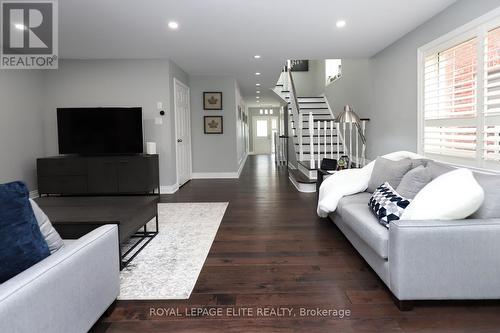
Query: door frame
[[190, 162], [269, 133]]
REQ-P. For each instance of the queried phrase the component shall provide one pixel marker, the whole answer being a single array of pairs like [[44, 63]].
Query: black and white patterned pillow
[[387, 204]]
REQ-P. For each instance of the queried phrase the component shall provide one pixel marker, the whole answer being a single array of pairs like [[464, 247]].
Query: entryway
[[263, 134]]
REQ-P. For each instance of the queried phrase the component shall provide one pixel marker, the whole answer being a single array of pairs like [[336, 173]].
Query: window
[[274, 123], [261, 128], [459, 96]]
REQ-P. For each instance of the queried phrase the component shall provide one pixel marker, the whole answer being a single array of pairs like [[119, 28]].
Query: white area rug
[[168, 267]]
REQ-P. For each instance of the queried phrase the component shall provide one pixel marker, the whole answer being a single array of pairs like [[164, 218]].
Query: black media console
[[98, 175], [81, 193]]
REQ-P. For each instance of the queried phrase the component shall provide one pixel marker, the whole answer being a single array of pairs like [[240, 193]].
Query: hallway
[[272, 251]]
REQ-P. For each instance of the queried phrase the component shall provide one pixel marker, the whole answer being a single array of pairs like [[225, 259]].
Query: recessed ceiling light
[[258, 91], [173, 25], [258, 97], [20, 26], [257, 73], [256, 56], [257, 84], [341, 23]]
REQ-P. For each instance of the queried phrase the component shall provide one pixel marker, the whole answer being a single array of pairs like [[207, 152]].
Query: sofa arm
[[445, 259], [66, 292]]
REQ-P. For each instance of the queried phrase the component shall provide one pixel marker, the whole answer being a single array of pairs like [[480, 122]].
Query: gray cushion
[[359, 198], [360, 219], [414, 181], [437, 169], [389, 171], [54, 241], [491, 205], [419, 161]]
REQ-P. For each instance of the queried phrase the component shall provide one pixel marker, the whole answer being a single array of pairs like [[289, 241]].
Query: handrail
[[292, 86]]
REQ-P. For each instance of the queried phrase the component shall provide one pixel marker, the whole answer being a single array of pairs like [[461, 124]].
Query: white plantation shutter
[[460, 100], [491, 133], [450, 104]]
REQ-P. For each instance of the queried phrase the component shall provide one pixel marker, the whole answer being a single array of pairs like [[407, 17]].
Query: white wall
[[80, 83], [21, 130], [353, 88], [214, 154], [393, 113], [311, 83]]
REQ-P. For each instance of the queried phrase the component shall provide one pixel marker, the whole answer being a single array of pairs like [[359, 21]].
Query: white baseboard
[[214, 175], [242, 164], [34, 194], [169, 189]]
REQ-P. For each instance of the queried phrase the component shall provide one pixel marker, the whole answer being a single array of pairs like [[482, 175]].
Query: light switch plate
[[159, 105], [158, 121]]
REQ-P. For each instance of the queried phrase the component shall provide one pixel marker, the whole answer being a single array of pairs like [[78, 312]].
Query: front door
[[262, 135], [183, 131]]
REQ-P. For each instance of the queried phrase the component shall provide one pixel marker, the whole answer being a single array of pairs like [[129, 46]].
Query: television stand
[[98, 175]]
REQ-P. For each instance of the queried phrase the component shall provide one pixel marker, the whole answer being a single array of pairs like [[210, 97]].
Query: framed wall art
[[212, 100], [213, 125]]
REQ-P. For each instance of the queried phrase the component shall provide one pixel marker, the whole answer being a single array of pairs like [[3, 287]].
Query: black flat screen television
[[100, 131]]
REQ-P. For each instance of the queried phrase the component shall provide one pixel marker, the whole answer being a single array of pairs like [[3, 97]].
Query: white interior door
[[182, 131], [262, 135]]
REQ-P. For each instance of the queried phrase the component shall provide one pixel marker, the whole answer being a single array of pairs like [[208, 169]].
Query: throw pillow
[[437, 169], [414, 181], [389, 171], [51, 236], [419, 161], [490, 209], [387, 204], [22, 244], [452, 196]]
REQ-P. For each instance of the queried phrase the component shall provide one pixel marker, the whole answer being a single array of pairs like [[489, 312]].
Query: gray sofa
[[66, 292], [430, 260]]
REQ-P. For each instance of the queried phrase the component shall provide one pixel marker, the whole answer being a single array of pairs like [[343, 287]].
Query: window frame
[[479, 29]]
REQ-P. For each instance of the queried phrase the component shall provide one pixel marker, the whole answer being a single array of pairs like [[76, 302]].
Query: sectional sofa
[[430, 260], [66, 292]]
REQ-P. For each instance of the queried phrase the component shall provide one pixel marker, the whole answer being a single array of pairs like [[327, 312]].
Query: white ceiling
[[220, 37]]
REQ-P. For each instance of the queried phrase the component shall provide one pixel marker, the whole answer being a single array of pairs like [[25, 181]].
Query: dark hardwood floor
[[273, 251]]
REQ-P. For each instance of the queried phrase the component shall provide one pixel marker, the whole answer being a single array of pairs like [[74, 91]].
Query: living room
[[175, 167]]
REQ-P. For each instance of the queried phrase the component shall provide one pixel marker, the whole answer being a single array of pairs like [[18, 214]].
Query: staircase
[[314, 134]]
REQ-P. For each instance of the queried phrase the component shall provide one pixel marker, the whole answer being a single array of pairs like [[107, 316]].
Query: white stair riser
[[311, 99], [312, 105]]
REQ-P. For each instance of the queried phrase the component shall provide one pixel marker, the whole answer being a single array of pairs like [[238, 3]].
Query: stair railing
[[297, 117], [347, 138], [311, 141]]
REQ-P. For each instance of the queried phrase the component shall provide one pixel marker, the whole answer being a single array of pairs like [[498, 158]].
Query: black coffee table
[[74, 217]]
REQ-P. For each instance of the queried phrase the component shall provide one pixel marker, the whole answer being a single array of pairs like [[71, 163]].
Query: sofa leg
[[404, 305], [110, 309]]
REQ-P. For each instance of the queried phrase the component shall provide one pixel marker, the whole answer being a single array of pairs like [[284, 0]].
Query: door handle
[[179, 140]]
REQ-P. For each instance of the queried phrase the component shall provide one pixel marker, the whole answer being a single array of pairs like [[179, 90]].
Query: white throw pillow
[[454, 195], [54, 241]]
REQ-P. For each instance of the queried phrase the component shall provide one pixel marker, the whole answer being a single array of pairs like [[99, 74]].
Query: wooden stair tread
[[300, 177]]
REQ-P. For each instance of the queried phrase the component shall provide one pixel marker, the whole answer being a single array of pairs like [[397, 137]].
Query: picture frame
[[300, 65], [213, 125], [212, 100]]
